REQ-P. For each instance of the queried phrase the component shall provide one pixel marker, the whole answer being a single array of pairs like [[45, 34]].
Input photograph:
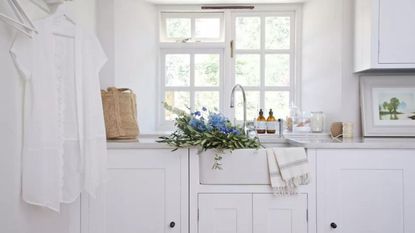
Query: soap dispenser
[[261, 123], [271, 123]]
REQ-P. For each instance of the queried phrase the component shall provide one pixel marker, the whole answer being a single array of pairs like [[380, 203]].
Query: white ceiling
[[199, 2]]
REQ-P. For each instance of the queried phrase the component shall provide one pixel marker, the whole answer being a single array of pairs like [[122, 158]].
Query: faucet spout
[[232, 104]]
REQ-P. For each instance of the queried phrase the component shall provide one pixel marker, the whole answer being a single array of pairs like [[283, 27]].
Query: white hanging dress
[[64, 148]]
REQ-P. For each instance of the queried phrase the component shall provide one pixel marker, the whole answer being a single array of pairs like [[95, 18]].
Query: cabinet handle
[[333, 225], [172, 224]]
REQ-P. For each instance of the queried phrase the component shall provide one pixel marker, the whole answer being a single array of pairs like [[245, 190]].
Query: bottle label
[[271, 125], [261, 125]]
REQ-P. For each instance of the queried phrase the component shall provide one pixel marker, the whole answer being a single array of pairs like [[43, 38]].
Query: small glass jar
[[302, 123], [251, 132], [317, 122]]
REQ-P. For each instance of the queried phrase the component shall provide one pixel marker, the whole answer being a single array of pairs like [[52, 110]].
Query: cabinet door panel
[[225, 213], [396, 32], [144, 193], [365, 191], [275, 214]]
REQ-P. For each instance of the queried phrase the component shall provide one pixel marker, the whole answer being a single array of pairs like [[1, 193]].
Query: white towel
[[288, 168]]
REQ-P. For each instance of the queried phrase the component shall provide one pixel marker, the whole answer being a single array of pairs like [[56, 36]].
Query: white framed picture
[[388, 105]]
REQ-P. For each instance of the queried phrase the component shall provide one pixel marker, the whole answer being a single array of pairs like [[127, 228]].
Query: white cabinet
[[252, 213], [384, 34], [225, 213], [147, 191], [362, 191], [280, 214]]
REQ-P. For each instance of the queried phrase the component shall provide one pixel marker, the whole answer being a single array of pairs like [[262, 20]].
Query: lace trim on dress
[[59, 55]]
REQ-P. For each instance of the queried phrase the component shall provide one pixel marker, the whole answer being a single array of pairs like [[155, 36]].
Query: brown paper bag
[[120, 113]]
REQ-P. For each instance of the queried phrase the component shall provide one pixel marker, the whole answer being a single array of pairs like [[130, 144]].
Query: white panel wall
[[16, 216]]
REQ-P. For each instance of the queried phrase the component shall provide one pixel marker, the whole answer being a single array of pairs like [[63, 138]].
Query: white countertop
[[316, 141], [141, 143], [353, 143]]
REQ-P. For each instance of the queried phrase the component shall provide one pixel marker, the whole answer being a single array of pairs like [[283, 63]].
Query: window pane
[[178, 27], [207, 27], [277, 70], [278, 101], [252, 105], [178, 99], [277, 32], [207, 69], [247, 69], [208, 99], [177, 70], [248, 32]]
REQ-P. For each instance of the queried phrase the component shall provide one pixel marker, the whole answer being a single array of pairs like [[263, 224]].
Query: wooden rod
[[227, 7]]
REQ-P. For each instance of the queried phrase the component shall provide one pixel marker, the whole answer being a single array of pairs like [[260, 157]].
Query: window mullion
[[192, 81], [228, 65], [262, 64], [193, 28], [293, 65], [221, 87], [176, 88]]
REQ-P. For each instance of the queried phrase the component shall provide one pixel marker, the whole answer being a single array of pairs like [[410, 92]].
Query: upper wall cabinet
[[384, 35]]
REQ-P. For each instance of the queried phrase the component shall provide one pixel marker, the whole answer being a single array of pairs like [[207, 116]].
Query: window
[[202, 57], [192, 78], [264, 61], [191, 27]]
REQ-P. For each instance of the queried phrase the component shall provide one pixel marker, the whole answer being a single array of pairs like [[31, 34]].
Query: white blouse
[[64, 148]]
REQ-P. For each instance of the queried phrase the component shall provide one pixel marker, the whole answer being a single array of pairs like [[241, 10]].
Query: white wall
[[16, 216], [105, 30], [133, 46], [327, 81]]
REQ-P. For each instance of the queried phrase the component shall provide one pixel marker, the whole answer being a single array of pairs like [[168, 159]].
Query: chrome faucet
[[232, 105]]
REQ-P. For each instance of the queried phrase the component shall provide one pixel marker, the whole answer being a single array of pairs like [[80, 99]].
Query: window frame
[[192, 16], [228, 64]]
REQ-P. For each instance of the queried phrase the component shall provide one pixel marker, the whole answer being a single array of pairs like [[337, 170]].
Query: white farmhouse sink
[[244, 167]]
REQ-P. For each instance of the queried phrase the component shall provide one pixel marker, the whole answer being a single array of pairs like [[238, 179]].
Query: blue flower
[[197, 113], [236, 132], [217, 121], [197, 124]]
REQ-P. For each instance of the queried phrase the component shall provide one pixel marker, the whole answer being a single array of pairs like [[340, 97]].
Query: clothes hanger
[[21, 14], [45, 5], [41, 5], [23, 23], [61, 12]]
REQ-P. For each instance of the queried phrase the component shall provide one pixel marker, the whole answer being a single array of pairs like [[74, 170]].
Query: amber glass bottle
[[261, 123], [271, 123]]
